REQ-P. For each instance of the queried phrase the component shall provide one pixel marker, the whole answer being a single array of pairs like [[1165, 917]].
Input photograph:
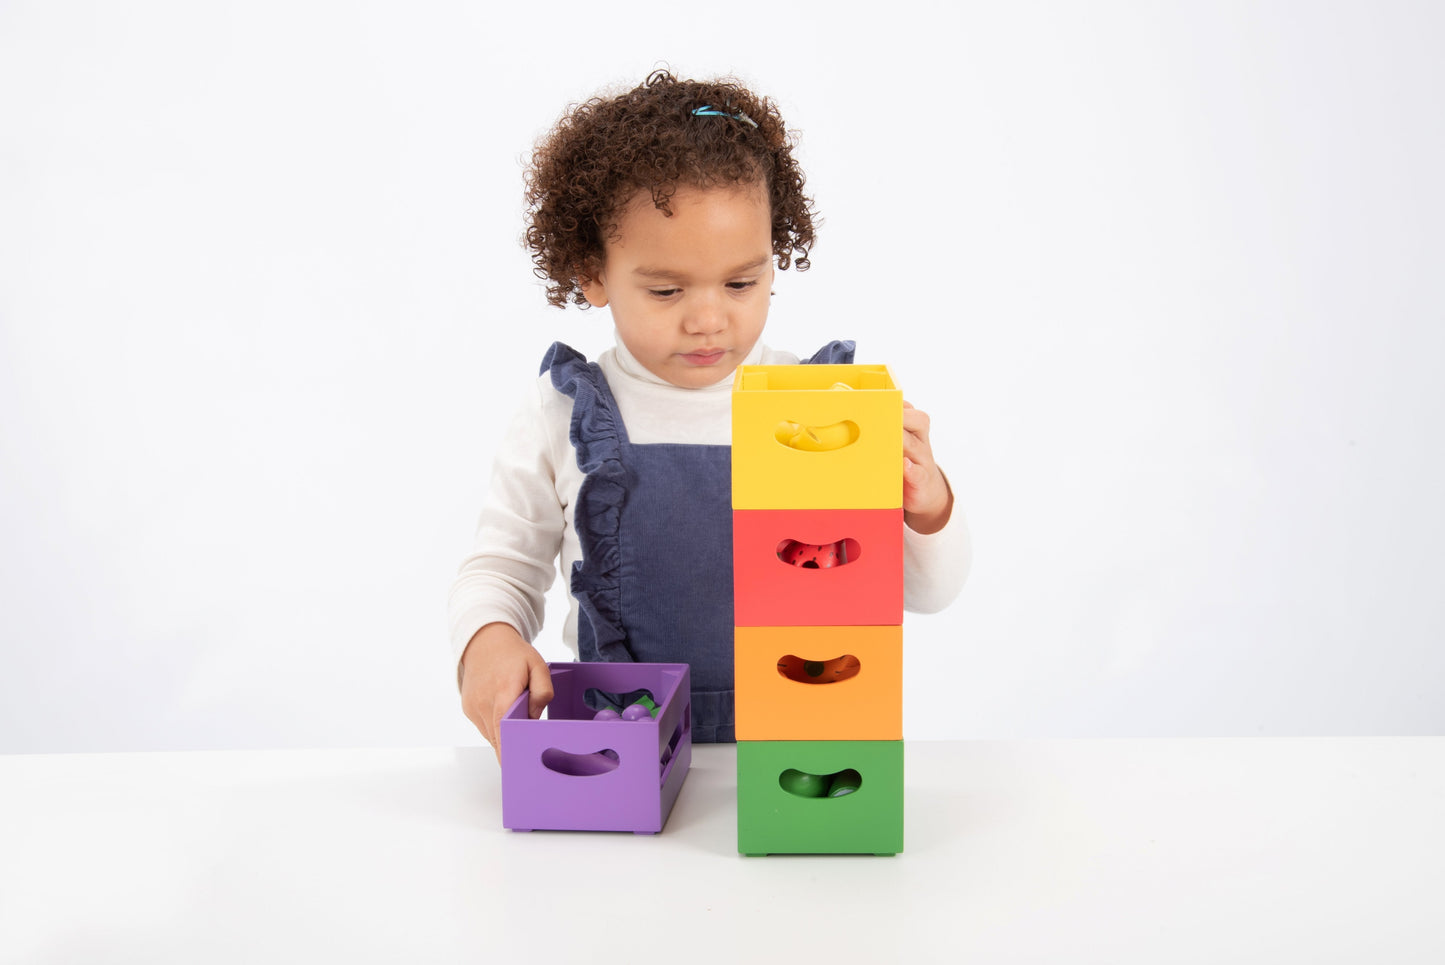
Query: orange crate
[[819, 683]]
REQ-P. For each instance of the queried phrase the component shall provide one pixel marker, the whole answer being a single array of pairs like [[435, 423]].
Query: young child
[[670, 205]]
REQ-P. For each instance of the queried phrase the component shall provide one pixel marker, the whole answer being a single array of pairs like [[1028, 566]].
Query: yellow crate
[[801, 443]]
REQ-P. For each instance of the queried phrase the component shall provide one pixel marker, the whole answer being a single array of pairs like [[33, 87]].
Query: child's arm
[[937, 549], [497, 666], [495, 605], [927, 498]]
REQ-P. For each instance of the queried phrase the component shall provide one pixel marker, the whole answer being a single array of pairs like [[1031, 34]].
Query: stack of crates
[[817, 490]]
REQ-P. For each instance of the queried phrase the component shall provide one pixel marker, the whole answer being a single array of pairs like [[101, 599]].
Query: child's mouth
[[705, 358]]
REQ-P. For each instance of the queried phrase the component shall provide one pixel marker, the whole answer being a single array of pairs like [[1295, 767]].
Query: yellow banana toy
[[817, 438]]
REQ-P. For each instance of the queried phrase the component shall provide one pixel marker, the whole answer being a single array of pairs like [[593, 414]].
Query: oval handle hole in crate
[[806, 438], [802, 784], [819, 556], [667, 752], [832, 671], [580, 765]]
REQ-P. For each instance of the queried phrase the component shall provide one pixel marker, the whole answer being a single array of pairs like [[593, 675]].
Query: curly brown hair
[[604, 151]]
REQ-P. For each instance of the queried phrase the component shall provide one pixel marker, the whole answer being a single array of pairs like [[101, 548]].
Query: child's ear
[[594, 288]]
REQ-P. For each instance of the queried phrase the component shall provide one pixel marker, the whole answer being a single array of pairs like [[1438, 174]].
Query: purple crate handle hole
[[580, 765]]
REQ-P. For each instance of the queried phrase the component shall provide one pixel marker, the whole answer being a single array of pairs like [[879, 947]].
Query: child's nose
[[706, 317]]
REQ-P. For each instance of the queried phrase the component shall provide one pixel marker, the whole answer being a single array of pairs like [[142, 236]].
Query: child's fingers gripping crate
[[820, 797], [819, 683], [801, 441], [816, 567], [572, 771]]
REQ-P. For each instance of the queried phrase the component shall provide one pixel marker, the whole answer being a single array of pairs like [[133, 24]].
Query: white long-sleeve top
[[527, 520]]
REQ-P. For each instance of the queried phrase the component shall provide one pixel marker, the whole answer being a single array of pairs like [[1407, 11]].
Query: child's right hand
[[496, 667]]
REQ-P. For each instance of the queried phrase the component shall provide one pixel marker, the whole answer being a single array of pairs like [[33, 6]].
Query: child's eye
[[664, 292], [742, 286]]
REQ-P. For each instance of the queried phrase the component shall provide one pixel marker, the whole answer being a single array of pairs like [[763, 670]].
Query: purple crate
[[568, 772]]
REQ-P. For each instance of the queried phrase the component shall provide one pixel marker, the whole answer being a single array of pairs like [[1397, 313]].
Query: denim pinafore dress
[[655, 581]]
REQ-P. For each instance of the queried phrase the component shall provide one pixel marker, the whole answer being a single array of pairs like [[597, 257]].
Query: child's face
[[689, 293]]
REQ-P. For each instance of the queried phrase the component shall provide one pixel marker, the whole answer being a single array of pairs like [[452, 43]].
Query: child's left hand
[[927, 499]]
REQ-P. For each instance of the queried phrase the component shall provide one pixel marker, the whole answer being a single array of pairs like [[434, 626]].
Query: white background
[[1169, 282]]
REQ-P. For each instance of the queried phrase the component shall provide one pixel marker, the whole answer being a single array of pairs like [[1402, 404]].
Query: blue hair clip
[[707, 110]]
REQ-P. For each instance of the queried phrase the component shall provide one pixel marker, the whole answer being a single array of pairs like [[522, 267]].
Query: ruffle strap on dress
[[596, 434], [837, 352]]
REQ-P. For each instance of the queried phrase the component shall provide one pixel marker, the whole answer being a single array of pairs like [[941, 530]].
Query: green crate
[[772, 820]]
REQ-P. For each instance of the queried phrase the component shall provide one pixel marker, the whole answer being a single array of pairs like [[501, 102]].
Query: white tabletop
[[1309, 850]]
